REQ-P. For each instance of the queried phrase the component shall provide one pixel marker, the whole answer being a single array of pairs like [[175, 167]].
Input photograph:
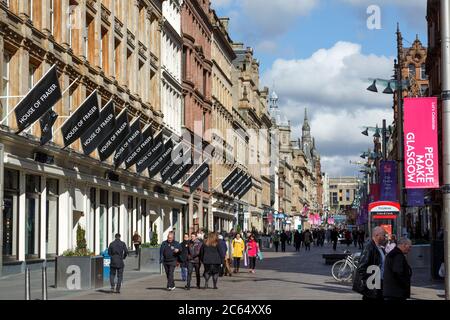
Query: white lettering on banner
[[158, 162], [113, 137], [419, 167], [98, 129], [37, 104]]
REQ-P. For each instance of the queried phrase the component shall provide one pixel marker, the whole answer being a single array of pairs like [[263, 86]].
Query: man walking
[[334, 238], [194, 260], [276, 240], [170, 249], [397, 272], [283, 238], [372, 255], [118, 251]]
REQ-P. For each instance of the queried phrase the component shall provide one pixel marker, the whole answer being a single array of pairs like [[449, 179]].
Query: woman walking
[[211, 255], [297, 240], [252, 251], [238, 247], [307, 236], [183, 257], [276, 240]]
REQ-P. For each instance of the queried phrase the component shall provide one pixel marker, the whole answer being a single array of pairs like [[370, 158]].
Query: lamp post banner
[[421, 143], [388, 181]]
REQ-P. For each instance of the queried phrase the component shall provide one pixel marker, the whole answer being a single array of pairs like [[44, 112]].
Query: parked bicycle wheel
[[342, 271]]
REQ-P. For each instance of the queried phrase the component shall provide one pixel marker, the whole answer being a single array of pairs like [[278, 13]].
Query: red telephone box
[[384, 214]]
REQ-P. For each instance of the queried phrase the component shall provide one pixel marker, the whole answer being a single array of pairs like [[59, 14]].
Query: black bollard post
[[27, 284], [44, 283]]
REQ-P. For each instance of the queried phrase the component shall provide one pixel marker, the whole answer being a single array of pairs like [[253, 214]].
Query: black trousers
[[170, 269], [297, 246], [283, 246], [211, 270], [307, 246], [252, 263], [112, 277], [191, 268], [276, 244], [236, 263], [334, 245], [136, 247]]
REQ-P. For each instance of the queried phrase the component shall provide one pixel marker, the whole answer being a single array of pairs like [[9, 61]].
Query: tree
[[154, 241]]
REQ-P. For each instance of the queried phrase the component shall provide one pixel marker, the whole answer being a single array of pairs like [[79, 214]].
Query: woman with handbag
[[252, 251]]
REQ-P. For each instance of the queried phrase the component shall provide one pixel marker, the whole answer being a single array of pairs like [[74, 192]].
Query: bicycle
[[343, 270]]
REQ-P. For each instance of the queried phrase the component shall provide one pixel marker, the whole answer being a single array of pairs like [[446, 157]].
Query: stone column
[[43, 218], [21, 215]]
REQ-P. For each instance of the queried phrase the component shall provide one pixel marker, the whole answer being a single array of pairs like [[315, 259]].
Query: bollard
[[44, 283], [27, 284]]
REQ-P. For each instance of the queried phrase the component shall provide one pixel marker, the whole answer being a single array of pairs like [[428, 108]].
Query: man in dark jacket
[[334, 238], [118, 251], [283, 239], [223, 247], [170, 249], [397, 272], [372, 255], [194, 260]]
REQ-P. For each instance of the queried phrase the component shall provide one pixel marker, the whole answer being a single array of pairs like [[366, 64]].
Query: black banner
[[197, 178], [162, 160], [154, 152], [238, 182], [44, 95], [139, 152], [182, 169], [47, 121], [84, 117], [228, 182], [110, 144], [103, 127], [241, 185], [246, 187], [131, 142], [178, 155]]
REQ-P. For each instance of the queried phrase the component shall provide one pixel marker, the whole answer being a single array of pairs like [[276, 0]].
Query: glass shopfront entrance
[[10, 215], [32, 216]]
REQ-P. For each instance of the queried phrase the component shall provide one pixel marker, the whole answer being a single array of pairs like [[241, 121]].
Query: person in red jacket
[[252, 252]]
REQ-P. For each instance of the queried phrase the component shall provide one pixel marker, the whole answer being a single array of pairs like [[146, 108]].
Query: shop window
[[115, 225], [92, 208], [144, 216], [10, 214], [5, 87], [51, 237], [32, 216], [103, 219]]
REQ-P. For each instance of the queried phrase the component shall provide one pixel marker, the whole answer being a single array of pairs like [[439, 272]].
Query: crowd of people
[[217, 253]]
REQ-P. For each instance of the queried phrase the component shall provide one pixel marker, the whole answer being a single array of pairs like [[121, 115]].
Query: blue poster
[[415, 197], [388, 181]]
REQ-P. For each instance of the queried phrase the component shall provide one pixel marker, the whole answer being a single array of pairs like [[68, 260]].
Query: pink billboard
[[421, 143]]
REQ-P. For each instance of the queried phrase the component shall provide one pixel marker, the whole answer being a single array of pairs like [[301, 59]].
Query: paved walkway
[[280, 276]]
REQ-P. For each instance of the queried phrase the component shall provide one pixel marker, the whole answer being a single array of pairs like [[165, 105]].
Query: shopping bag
[[442, 270], [245, 259], [260, 255]]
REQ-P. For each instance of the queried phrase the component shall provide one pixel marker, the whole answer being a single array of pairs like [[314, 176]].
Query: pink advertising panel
[[421, 143]]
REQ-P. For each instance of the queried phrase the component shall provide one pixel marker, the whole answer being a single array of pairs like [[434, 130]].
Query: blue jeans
[[184, 273]]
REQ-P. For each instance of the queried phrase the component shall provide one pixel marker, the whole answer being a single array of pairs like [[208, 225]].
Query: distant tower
[[275, 112], [306, 135]]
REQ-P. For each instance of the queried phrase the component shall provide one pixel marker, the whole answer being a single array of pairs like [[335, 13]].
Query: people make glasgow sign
[[44, 95], [84, 117], [421, 143]]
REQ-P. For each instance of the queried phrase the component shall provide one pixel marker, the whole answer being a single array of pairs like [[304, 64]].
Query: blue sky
[[318, 54]]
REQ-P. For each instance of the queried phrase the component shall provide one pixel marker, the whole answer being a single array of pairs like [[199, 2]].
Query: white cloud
[[332, 85]]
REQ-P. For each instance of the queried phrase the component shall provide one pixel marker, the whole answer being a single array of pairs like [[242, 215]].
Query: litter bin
[[106, 264]]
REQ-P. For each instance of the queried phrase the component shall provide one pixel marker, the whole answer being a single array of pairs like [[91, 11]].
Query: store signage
[[155, 151], [197, 178], [388, 181], [384, 207], [84, 117], [421, 143], [247, 186], [238, 182], [147, 139], [131, 142], [162, 160], [120, 132], [182, 169], [178, 155], [230, 180], [102, 128], [46, 122], [241, 186], [41, 98]]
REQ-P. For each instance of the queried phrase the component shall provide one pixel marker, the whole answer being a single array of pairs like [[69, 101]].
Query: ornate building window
[[412, 70]]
